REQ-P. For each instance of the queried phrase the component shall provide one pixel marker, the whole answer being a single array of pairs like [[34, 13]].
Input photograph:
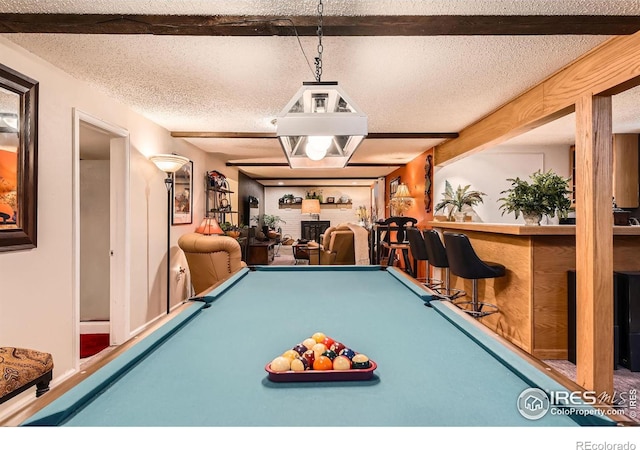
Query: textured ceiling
[[239, 84]]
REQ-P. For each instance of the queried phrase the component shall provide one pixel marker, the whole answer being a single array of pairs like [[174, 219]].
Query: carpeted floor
[[624, 382], [91, 344], [284, 257]]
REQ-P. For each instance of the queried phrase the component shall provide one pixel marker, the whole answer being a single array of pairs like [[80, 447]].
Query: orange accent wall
[[413, 175]]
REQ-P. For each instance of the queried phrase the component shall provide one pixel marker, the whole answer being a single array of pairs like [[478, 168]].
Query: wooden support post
[[594, 244]]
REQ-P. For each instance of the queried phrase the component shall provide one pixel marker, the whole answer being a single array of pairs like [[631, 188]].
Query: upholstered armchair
[[210, 258], [337, 248]]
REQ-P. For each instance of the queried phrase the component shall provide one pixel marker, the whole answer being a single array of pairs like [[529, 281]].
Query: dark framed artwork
[[427, 183], [18, 160], [181, 191], [393, 187]]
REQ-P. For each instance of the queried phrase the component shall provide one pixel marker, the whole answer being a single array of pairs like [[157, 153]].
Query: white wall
[[488, 172], [360, 196], [36, 300]]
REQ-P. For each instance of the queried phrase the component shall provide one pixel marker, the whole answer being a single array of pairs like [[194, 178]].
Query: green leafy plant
[[546, 194], [287, 198], [456, 200], [228, 226], [269, 220]]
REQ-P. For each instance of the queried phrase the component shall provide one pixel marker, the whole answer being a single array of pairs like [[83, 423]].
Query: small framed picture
[[331, 200], [393, 187], [182, 200]]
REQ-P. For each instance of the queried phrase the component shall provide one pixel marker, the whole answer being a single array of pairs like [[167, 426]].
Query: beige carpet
[[284, 257], [624, 382]]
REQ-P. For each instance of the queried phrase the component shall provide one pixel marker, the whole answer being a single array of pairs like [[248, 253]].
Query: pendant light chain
[[320, 48]]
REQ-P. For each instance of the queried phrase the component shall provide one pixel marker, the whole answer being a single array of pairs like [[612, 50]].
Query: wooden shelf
[[322, 205]]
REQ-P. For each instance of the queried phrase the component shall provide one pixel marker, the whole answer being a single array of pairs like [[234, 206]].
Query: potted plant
[[458, 199], [269, 222], [547, 194], [287, 198]]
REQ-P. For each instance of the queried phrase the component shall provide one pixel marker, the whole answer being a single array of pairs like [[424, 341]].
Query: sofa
[[211, 259]]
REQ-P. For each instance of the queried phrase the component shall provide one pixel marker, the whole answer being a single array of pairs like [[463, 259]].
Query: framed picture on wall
[[182, 211], [393, 187]]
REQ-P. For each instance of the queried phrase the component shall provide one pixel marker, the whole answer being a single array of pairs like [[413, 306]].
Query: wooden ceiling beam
[[607, 69], [228, 25], [251, 135]]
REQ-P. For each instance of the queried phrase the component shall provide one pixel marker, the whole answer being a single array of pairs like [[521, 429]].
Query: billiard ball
[[341, 363], [310, 357], [348, 353], [280, 364], [319, 349], [328, 342], [290, 354], [360, 361], [299, 364], [322, 363], [309, 342], [300, 349], [330, 354], [337, 347], [318, 337]]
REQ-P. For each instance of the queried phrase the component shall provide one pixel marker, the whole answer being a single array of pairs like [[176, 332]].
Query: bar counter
[[532, 297]]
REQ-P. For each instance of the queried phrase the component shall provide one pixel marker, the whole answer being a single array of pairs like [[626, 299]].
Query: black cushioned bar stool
[[418, 250], [438, 258], [465, 263]]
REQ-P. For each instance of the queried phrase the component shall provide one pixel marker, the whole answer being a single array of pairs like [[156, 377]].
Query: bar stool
[[438, 258], [418, 250], [465, 263], [399, 225]]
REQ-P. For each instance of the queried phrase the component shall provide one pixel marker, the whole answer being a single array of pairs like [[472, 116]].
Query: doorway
[[101, 233]]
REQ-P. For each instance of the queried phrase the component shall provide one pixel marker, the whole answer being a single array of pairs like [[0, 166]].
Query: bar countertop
[[524, 230]]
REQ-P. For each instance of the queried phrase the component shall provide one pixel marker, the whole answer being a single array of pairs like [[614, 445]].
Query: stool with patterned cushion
[[21, 368]]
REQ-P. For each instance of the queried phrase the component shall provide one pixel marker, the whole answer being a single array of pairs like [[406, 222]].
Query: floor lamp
[[168, 164]]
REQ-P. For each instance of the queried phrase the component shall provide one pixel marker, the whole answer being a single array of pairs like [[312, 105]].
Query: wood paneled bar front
[[532, 297]]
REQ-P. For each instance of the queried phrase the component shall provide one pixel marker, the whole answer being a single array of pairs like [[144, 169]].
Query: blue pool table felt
[[206, 366]]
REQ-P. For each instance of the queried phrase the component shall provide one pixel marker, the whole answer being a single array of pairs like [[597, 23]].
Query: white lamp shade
[[168, 163], [402, 191], [310, 206]]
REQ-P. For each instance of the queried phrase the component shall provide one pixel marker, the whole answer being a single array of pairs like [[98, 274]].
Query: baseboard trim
[[95, 327]]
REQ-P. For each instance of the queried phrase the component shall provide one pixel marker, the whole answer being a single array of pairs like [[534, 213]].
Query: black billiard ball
[[300, 349]]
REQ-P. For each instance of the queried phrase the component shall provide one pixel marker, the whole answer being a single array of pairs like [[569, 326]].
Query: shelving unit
[[218, 203], [322, 205]]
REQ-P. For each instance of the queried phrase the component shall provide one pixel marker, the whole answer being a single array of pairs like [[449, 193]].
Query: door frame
[[119, 234]]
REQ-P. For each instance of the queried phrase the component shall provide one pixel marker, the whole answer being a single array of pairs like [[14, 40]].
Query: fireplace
[[312, 230]]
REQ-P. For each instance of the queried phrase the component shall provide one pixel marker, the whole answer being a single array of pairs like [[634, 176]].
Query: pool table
[[206, 365]]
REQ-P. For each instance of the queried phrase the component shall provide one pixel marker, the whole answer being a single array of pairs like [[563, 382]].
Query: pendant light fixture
[[321, 127]]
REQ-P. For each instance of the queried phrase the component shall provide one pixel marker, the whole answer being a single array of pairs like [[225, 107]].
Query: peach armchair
[[210, 258], [337, 248]]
